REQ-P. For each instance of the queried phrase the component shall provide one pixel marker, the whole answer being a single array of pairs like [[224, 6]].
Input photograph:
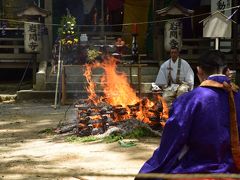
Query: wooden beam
[[49, 22], [15, 56]]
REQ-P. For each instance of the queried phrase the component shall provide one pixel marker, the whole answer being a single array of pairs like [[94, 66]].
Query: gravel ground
[[27, 154]]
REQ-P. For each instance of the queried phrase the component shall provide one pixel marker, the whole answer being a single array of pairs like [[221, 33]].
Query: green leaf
[[126, 143]]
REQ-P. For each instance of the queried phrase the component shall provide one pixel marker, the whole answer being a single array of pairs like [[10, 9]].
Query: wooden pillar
[[34, 68], [234, 35], [235, 44], [49, 22], [155, 33], [1, 9], [63, 98], [161, 38], [102, 19]]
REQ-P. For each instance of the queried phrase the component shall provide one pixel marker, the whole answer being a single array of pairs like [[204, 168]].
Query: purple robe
[[196, 137]]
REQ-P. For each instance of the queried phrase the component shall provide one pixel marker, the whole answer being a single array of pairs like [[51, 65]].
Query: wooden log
[[64, 97], [154, 119], [67, 128]]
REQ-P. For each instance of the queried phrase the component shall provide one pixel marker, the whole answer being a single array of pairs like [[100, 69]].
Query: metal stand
[[134, 48], [57, 95], [217, 43], [24, 74], [63, 90]]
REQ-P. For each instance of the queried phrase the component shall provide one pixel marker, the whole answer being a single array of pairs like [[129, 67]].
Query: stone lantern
[[33, 38], [173, 27]]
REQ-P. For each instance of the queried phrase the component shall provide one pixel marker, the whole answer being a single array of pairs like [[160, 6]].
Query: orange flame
[[118, 92], [143, 114], [165, 113], [91, 84], [115, 85]]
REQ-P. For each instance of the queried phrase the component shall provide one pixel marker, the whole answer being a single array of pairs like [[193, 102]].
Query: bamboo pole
[[217, 43], [58, 75], [63, 98]]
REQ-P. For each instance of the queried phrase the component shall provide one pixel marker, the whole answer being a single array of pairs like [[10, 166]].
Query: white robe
[[186, 73]]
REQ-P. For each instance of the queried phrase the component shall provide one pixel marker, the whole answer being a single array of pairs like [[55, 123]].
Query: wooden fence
[[193, 48], [12, 53]]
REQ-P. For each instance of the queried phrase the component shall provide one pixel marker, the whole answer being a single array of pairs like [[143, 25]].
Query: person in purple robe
[[202, 132]]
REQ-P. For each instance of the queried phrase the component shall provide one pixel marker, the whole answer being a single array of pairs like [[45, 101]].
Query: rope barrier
[[187, 176], [140, 176], [124, 24]]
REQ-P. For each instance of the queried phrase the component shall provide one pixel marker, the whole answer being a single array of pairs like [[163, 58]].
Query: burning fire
[[91, 84], [118, 92], [116, 87]]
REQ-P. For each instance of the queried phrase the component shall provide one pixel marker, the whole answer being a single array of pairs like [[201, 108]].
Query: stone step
[[148, 70], [71, 96], [96, 78], [76, 83], [7, 98], [82, 86], [145, 70], [48, 95]]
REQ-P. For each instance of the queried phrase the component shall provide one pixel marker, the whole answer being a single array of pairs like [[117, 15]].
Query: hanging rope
[[130, 24]]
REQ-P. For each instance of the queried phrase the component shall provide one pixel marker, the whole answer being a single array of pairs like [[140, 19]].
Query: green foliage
[[126, 144], [76, 139], [92, 54], [116, 137], [112, 138], [67, 31], [140, 132]]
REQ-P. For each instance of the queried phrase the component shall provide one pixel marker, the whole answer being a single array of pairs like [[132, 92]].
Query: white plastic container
[[83, 39]]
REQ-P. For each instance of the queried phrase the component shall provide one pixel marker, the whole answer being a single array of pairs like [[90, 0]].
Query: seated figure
[[175, 76], [119, 45], [201, 134]]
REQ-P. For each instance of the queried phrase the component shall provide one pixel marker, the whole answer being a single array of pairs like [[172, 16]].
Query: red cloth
[[113, 5]]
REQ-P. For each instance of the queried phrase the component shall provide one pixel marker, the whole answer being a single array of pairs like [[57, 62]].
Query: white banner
[[173, 34], [32, 37], [222, 6]]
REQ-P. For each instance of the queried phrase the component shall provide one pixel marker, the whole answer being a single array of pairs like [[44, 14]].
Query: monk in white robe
[[186, 73], [175, 77]]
